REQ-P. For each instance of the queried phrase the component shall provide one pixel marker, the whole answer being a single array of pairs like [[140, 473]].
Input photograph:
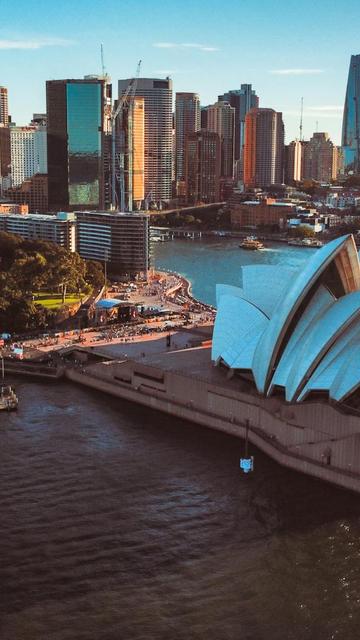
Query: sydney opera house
[[295, 334]]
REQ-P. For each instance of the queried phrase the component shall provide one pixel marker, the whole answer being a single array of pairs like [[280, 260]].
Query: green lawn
[[54, 300]]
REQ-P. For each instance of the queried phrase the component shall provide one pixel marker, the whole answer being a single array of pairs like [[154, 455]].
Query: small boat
[[251, 243], [8, 398]]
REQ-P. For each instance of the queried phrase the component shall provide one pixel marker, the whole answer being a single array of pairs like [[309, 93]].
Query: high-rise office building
[[157, 94], [187, 121], [242, 100], [28, 152], [294, 162], [129, 156], [221, 120], [4, 108], [202, 167], [351, 119], [264, 148], [319, 158], [78, 121], [5, 156]]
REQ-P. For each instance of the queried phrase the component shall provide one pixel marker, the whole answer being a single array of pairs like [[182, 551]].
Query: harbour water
[[122, 524], [219, 260]]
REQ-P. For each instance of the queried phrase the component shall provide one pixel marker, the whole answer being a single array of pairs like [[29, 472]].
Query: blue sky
[[285, 48]]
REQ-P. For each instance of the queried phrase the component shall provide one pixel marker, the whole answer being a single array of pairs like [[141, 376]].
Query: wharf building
[[158, 136], [78, 143], [202, 167], [242, 100], [264, 148], [187, 121], [351, 119]]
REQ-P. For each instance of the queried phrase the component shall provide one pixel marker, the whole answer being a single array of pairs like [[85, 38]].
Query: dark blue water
[[119, 523]]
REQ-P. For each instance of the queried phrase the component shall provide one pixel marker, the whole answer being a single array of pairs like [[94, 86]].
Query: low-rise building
[[13, 207], [264, 213], [120, 239], [59, 228]]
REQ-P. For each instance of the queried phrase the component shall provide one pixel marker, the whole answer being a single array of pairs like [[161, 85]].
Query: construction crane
[[118, 160]]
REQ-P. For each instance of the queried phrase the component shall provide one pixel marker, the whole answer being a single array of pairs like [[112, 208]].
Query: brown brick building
[[256, 213], [33, 192]]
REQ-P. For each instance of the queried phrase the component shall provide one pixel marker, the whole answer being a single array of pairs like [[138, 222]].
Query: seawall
[[315, 439]]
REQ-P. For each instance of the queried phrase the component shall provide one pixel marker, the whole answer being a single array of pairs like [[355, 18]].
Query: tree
[[94, 274]]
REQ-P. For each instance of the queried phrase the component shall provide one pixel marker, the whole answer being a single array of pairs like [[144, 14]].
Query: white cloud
[[184, 45], [333, 108], [36, 43], [296, 72]]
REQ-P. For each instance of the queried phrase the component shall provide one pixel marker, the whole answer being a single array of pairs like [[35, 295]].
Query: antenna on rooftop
[[301, 119], [317, 126], [103, 71]]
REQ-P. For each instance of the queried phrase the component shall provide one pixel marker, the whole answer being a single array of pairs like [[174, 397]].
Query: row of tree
[[29, 266]]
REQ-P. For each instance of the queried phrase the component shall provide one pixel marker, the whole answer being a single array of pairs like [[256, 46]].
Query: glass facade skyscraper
[[78, 126], [351, 121]]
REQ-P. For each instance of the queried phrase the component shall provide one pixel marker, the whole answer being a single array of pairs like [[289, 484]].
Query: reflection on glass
[[351, 121], [84, 142]]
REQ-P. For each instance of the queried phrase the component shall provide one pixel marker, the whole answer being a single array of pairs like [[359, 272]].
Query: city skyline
[[284, 53]]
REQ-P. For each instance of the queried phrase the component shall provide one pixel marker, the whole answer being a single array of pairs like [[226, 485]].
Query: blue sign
[[247, 464]]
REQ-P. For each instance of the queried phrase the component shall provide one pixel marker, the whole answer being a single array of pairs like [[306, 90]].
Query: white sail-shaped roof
[[325, 330], [347, 379], [299, 332], [270, 343], [329, 367], [237, 321], [319, 303]]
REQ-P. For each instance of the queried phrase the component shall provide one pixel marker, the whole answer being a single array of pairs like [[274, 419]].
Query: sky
[[287, 49]]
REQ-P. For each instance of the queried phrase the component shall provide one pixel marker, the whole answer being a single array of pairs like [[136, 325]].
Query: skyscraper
[[264, 148], [242, 100], [5, 156], [28, 152], [78, 117], [157, 94], [319, 158], [202, 167], [187, 121], [129, 155], [4, 109], [221, 120], [294, 162], [351, 119]]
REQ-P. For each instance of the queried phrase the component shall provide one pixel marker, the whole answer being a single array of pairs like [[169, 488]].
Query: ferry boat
[[251, 244], [8, 398], [306, 242]]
